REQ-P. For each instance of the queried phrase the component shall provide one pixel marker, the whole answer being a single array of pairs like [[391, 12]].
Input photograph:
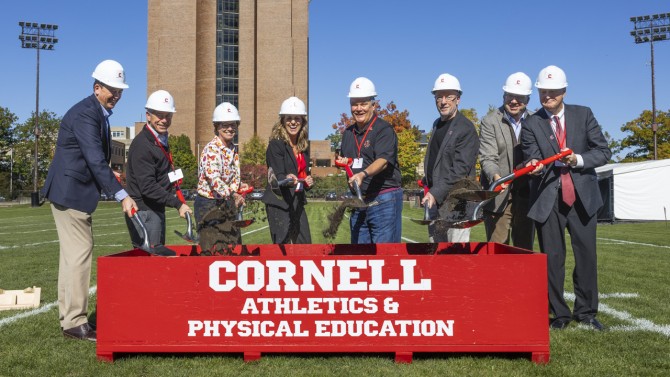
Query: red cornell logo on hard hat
[[442, 79], [549, 76], [228, 109], [120, 74], [358, 86], [166, 100], [518, 82]]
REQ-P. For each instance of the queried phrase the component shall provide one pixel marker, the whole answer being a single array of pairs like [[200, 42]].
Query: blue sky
[[401, 48]]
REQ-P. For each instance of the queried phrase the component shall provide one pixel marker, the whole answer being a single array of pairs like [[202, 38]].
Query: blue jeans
[[381, 222]]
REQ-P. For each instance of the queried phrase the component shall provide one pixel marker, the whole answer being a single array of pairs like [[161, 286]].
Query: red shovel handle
[[245, 192], [546, 161], [346, 166]]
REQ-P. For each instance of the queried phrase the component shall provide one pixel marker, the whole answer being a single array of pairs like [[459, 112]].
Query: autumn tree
[[409, 156], [252, 162], [24, 149], [639, 143], [180, 146], [7, 121]]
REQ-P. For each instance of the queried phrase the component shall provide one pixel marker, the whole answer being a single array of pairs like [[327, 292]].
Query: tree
[[183, 158], [338, 128], [24, 149], [7, 120], [253, 151], [640, 139], [409, 156]]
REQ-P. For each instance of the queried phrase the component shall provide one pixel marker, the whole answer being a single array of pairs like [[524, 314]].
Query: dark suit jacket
[[279, 156], [286, 214], [584, 136], [456, 159], [80, 168]]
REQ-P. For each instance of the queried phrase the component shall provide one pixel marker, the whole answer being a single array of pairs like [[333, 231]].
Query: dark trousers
[[551, 236]]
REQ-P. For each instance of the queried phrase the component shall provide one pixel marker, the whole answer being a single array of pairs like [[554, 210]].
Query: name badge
[[175, 175], [357, 164]]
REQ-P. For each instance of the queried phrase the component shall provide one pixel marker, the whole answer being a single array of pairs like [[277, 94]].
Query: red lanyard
[[169, 157], [364, 136], [160, 145]]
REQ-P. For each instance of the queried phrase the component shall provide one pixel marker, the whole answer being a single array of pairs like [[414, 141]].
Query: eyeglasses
[[363, 105], [551, 92], [223, 126], [450, 97], [513, 97]]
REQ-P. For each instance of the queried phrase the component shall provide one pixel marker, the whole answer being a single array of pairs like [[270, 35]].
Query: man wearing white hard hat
[[566, 194], [153, 179], [79, 171], [499, 155], [371, 145], [288, 156], [451, 156]]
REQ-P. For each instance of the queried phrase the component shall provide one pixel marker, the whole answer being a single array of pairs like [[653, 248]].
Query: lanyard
[[160, 145], [364, 136], [169, 157]]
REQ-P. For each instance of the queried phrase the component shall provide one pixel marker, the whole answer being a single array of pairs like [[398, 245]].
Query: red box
[[398, 298]]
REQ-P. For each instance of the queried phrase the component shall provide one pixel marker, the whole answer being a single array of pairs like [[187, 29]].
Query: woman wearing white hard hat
[[219, 180], [288, 157]]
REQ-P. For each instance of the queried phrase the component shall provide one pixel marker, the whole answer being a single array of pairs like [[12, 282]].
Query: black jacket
[[147, 176]]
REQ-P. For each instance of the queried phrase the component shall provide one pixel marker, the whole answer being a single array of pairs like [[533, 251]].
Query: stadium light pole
[[652, 28], [40, 37]]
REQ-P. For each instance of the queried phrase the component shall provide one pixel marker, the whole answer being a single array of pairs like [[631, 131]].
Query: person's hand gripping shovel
[[189, 235], [240, 222], [160, 250], [495, 188], [356, 202], [426, 208], [276, 185]]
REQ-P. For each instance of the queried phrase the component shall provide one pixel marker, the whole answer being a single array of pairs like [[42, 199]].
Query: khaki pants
[[514, 222], [75, 234]]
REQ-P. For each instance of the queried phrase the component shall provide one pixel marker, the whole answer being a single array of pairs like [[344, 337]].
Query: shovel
[[160, 250], [360, 204], [240, 222], [188, 236], [426, 210], [275, 184], [496, 187]]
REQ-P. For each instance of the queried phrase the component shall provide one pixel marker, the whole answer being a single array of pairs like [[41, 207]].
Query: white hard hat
[[551, 77], [518, 83], [161, 100], [110, 72], [226, 112], [293, 106], [362, 87], [446, 81]]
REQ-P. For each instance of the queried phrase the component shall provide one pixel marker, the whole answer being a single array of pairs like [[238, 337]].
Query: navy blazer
[[80, 168], [584, 136]]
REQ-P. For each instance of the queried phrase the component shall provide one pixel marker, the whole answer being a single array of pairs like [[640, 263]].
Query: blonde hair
[[279, 133]]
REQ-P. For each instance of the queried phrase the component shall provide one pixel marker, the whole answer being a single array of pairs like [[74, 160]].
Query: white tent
[[639, 190]]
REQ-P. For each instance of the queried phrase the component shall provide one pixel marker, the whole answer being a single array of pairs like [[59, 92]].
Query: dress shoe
[[594, 324], [82, 332], [559, 323]]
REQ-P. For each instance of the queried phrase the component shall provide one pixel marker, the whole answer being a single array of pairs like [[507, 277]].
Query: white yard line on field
[[43, 309], [636, 324], [634, 243]]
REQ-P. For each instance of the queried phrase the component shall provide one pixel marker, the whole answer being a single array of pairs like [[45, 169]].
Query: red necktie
[[567, 187]]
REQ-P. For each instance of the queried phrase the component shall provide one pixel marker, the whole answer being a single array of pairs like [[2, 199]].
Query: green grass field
[[634, 260]]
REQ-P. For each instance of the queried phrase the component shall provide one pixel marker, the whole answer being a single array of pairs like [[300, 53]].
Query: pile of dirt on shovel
[[461, 186], [217, 234], [336, 216]]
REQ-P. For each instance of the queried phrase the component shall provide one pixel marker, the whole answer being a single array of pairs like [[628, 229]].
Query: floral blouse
[[219, 172]]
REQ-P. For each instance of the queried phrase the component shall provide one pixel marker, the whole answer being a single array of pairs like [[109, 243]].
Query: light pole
[[39, 37], [652, 28]]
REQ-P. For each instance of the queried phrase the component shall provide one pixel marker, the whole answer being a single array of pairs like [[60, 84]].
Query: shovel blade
[[185, 237], [461, 224], [243, 223]]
